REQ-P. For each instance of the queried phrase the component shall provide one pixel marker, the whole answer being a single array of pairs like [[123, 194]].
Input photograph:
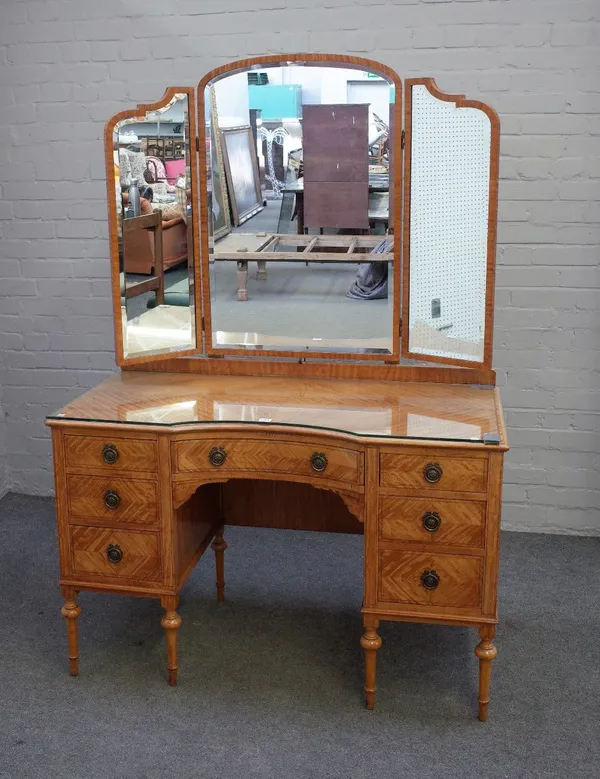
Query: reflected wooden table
[[243, 248]]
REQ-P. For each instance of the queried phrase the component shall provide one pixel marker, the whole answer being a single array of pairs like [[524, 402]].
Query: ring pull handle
[[432, 472], [114, 553], [431, 521], [318, 462], [430, 580], [112, 499], [110, 454], [217, 456]]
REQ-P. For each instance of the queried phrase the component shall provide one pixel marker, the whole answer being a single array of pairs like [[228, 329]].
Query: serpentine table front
[[151, 466]]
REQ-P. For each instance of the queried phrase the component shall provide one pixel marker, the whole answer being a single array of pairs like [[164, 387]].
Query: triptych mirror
[[323, 209]]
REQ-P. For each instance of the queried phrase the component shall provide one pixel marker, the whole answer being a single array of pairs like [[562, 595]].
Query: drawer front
[[433, 472], [433, 521], [430, 579], [110, 454], [115, 554], [112, 499], [269, 457]]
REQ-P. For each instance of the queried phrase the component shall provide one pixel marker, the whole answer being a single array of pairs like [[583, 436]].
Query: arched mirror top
[[299, 256]]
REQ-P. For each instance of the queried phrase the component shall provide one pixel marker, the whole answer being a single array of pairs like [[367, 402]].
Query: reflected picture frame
[[243, 179], [222, 220]]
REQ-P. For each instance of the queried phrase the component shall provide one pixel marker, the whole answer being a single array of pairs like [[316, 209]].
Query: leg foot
[[219, 545], [171, 622], [70, 611], [370, 642], [486, 652]]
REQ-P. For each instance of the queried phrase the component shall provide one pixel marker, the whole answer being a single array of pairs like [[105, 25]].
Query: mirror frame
[[325, 60], [121, 359], [460, 101]]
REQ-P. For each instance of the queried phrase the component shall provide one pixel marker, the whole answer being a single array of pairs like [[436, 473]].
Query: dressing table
[[301, 407]]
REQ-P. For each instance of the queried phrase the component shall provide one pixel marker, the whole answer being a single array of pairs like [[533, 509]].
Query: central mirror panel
[[298, 177]]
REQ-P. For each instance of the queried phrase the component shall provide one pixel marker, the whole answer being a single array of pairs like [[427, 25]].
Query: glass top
[[365, 408]]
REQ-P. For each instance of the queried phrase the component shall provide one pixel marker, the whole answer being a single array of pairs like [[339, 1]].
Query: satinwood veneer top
[[364, 408]]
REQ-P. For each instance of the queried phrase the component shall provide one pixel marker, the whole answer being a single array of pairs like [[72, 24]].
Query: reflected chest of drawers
[[150, 468]]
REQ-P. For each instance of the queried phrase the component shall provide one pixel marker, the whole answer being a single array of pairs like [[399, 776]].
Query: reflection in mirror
[[449, 188], [153, 193], [302, 154]]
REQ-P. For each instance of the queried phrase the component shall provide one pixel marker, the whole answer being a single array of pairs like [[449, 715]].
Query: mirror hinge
[[402, 139], [198, 143], [202, 323]]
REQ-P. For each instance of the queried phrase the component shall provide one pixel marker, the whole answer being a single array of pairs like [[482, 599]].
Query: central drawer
[[251, 457]]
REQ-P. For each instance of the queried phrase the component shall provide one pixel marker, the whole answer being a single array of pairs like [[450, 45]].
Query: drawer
[[430, 520], [110, 453], [433, 472], [232, 456], [112, 499], [115, 554], [430, 579]]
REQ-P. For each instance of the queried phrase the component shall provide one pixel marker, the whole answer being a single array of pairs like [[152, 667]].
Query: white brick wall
[[67, 65]]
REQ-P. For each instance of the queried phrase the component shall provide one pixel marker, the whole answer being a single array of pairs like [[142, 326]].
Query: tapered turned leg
[[486, 652], [171, 622], [219, 545], [70, 611], [370, 642]]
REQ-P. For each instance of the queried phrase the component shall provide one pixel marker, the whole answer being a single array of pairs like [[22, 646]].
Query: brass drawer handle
[[112, 499], [110, 454], [217, 456], [430, 580], [432, 472], [114, 553], [431, 521], [319, 462]]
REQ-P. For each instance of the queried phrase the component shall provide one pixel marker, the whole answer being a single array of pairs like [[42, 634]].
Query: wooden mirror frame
[[113, 224], [324, 60], [460, 101]]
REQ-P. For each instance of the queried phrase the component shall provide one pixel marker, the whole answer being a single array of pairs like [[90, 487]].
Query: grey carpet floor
[[270, 681]]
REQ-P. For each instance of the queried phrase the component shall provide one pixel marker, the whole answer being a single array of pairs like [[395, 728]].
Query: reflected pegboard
[[450, 172]]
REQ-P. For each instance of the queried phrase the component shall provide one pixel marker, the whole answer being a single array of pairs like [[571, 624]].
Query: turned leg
[[242, 275], [219, 545], [261, 273], [171, 622], [370, 642], [486, 652], [70, 611]]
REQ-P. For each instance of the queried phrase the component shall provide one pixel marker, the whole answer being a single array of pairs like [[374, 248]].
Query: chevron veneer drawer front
[[432, 521], [433, 472], [115, 554], [110, 454], [109, 499], [430, 579], [229, 456]]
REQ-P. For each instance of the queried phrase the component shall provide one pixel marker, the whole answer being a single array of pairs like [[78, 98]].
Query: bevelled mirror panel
[[154, 229], [450, 159], [298, 178]]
